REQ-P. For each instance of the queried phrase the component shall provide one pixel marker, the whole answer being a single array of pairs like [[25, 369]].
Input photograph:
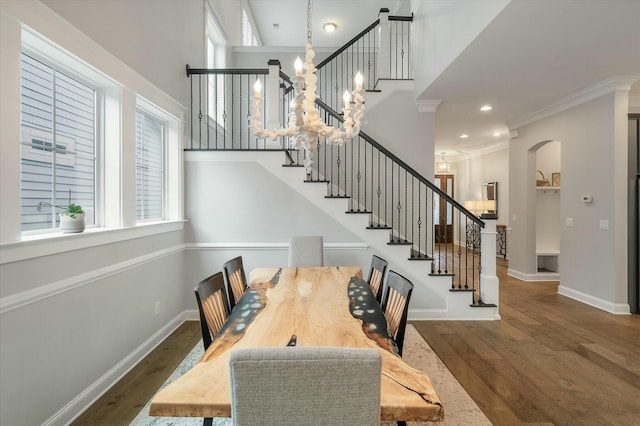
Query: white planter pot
[[69, 225]]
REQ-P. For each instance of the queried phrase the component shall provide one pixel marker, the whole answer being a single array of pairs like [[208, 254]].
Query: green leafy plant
[[71, 210]]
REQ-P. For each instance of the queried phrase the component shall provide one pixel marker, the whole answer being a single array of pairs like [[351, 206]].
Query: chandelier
[[305, 127]]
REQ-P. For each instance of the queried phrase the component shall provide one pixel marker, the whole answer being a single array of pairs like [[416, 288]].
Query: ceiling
[[534, 53]]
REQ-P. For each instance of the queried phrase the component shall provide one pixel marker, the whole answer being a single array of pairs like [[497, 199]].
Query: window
[[216, 58], [249, 36], [58, 144], [150, 160]]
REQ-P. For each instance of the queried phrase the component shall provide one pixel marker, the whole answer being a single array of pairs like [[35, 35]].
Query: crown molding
[[428, 105], [587, 94]]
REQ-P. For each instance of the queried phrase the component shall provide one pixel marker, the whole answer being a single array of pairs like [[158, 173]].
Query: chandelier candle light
[[305, 127]]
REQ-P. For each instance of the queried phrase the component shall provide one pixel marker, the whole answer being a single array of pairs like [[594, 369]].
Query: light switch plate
[[569, 221], [604, 224]]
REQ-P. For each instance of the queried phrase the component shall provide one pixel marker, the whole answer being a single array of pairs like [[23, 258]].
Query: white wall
[[156, 45], [471, 172], [594, 148], [240, 208], [445, 28], [77, 311], [408, 133]]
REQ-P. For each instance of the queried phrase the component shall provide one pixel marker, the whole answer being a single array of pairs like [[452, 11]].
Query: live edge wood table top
[[329, 306]]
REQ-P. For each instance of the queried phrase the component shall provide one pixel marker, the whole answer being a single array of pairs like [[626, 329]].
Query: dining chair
[[395, 305], [236, 281], [376, 276], [305, 251], [213, 305], [289, 386]]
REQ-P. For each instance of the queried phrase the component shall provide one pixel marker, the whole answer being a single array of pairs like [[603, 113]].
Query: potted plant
[[71, 217]]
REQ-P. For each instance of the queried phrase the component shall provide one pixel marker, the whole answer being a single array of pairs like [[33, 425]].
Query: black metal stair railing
[[414, 211], [221, 107], [363, 53]]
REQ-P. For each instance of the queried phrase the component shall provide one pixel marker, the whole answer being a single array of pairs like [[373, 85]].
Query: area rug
[[459, 408]]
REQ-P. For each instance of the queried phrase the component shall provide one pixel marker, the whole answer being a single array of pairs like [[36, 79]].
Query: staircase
[[401, 215]]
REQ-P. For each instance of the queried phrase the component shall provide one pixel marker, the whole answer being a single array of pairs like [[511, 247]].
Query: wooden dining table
[[323, 306]]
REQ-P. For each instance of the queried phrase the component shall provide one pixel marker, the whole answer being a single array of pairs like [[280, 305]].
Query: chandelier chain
[[309, 21]]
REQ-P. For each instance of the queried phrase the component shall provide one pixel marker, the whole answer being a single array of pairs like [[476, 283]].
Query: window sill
[[33, 246]]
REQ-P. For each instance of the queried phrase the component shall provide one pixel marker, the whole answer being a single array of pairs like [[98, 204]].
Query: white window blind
[[150, 136], [249, 37], [58, 144]]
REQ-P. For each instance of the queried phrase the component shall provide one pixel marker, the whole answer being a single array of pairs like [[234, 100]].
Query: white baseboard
[[596, 302], [476, 314], [548, 276], [91, 394]]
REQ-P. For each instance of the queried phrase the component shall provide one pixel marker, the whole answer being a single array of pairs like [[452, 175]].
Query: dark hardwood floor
[[121, 404], [550, 360]]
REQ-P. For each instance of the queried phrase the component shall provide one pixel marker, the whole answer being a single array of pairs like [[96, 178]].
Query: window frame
[[61, 61], [147, 109]]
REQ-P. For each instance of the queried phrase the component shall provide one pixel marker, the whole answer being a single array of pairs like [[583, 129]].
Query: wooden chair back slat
[[376, 276], [236, 280], [211, 296], [395, 305]]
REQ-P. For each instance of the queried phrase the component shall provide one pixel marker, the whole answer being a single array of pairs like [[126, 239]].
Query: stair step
[[462, 289], [373, 91], [316, 181], [337, 196], [435, 274], [293, 165], [358, 212], [415, 255], [378, 226], [483, 305], [399, 242]]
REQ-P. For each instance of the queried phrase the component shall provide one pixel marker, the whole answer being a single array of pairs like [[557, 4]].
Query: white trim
[[55, 243], [18, 300], [549, 276], [428, 105], [605, 305], [587, 94], [476, 314], [270, 246], [87, 397], [279, 50]]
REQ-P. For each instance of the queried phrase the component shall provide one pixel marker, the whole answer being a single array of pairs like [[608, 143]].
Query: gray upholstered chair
[[305, 251], [305, 386]]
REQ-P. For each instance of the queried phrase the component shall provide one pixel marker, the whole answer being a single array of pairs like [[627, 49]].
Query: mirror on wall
[[490, 194]]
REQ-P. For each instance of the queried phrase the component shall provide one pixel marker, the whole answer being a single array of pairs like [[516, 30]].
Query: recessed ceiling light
[[497, 133], [464, 136], [486, 108], [276, 26], [330, 27]]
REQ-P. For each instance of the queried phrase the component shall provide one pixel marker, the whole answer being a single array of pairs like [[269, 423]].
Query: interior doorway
[[442, 211]]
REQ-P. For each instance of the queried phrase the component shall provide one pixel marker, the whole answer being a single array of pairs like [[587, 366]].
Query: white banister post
[[383, 62], [489, 283], [272, 109]]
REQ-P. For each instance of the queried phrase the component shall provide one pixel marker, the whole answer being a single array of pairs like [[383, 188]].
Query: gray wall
[[594, 143], [77, 311], [156, 45]]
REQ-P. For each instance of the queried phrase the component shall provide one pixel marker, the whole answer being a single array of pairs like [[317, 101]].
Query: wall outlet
[[604, 224], [569, 221], [157, 308]]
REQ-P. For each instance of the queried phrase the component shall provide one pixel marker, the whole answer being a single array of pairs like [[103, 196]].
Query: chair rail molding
[[18, 300]]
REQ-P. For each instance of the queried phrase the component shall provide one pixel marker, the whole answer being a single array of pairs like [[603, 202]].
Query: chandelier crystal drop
[[305, 127]]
